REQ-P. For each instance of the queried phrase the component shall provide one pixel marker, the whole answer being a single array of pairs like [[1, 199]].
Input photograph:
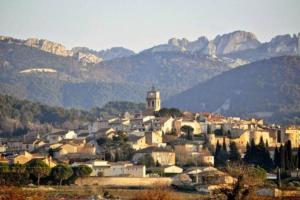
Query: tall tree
[[277, 157], [224, 146], [223, 132], [298, 158], [147, 160], [188, 130], [282, 157], [288, 155], [61, 172], [234, 154], [259, 155], [220, 156], [261, 142], [82, 171], [38, 168], [209, 131]]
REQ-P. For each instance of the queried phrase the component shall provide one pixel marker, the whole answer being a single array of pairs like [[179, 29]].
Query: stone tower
[[153, 100]]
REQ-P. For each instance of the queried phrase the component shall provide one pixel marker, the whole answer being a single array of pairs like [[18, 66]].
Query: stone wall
[[124, 181]]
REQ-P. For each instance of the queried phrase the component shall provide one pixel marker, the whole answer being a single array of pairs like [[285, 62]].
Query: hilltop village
[[160, 143]]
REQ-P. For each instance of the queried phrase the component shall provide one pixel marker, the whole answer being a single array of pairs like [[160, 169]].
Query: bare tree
[[248, 178]]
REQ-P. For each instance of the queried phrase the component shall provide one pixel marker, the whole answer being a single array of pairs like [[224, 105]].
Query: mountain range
[[45, 71]]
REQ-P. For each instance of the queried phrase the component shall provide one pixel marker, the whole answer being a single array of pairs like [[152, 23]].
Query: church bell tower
[[153, 100]]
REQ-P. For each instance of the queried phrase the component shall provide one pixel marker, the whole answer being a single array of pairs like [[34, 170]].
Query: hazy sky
[[139, 24]]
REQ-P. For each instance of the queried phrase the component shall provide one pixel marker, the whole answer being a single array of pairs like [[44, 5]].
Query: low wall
[[274, 192], [124, 181]]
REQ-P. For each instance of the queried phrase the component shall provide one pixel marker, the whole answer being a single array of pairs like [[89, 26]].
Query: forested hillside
[[269, 89], [19, 116]]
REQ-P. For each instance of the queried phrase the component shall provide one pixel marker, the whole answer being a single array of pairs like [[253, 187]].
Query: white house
[[61, 135]]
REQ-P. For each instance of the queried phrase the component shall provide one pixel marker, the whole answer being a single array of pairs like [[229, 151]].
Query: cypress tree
[[288, 155], [224, 147], [261, 143], [282, 157], [298, 158], [220, 155], [234, 154], [252, 144], [209, 129], [259, 155], [218, 148], [277, 157]]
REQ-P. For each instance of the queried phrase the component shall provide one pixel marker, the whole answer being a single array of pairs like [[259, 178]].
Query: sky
[[140, 24]]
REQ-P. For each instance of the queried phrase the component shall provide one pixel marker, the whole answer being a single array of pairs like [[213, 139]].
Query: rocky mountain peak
[[178, 42], [235, 41]]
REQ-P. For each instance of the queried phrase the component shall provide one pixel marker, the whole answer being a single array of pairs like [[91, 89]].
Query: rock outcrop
[[44, 45], [221, 45], [109, 54], [235, 41], [48, 46], [86, 58]]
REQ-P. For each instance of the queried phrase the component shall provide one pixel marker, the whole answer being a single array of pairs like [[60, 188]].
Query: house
[[26, 157], [153, 137], [189, 152], [2, 148], [105, 133], [114, 169], [60, 135], [76, 149], [293, 134], [100, 124], [162, 156], [32, 145], [120, 125], [209, 176], [171, 170], [84, 134], [125, 169], [210, 179], [98, 166], [178, 123], [14, 145], [165, 124], [141, 123], [137, 142], [3, 159]]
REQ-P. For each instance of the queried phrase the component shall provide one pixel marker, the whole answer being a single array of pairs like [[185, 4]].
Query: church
[[153, 100]]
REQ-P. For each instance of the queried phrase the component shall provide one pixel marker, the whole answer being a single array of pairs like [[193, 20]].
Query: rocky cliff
[[235, 41]]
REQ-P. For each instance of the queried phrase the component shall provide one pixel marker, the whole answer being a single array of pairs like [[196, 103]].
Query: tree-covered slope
[[267, 88]]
